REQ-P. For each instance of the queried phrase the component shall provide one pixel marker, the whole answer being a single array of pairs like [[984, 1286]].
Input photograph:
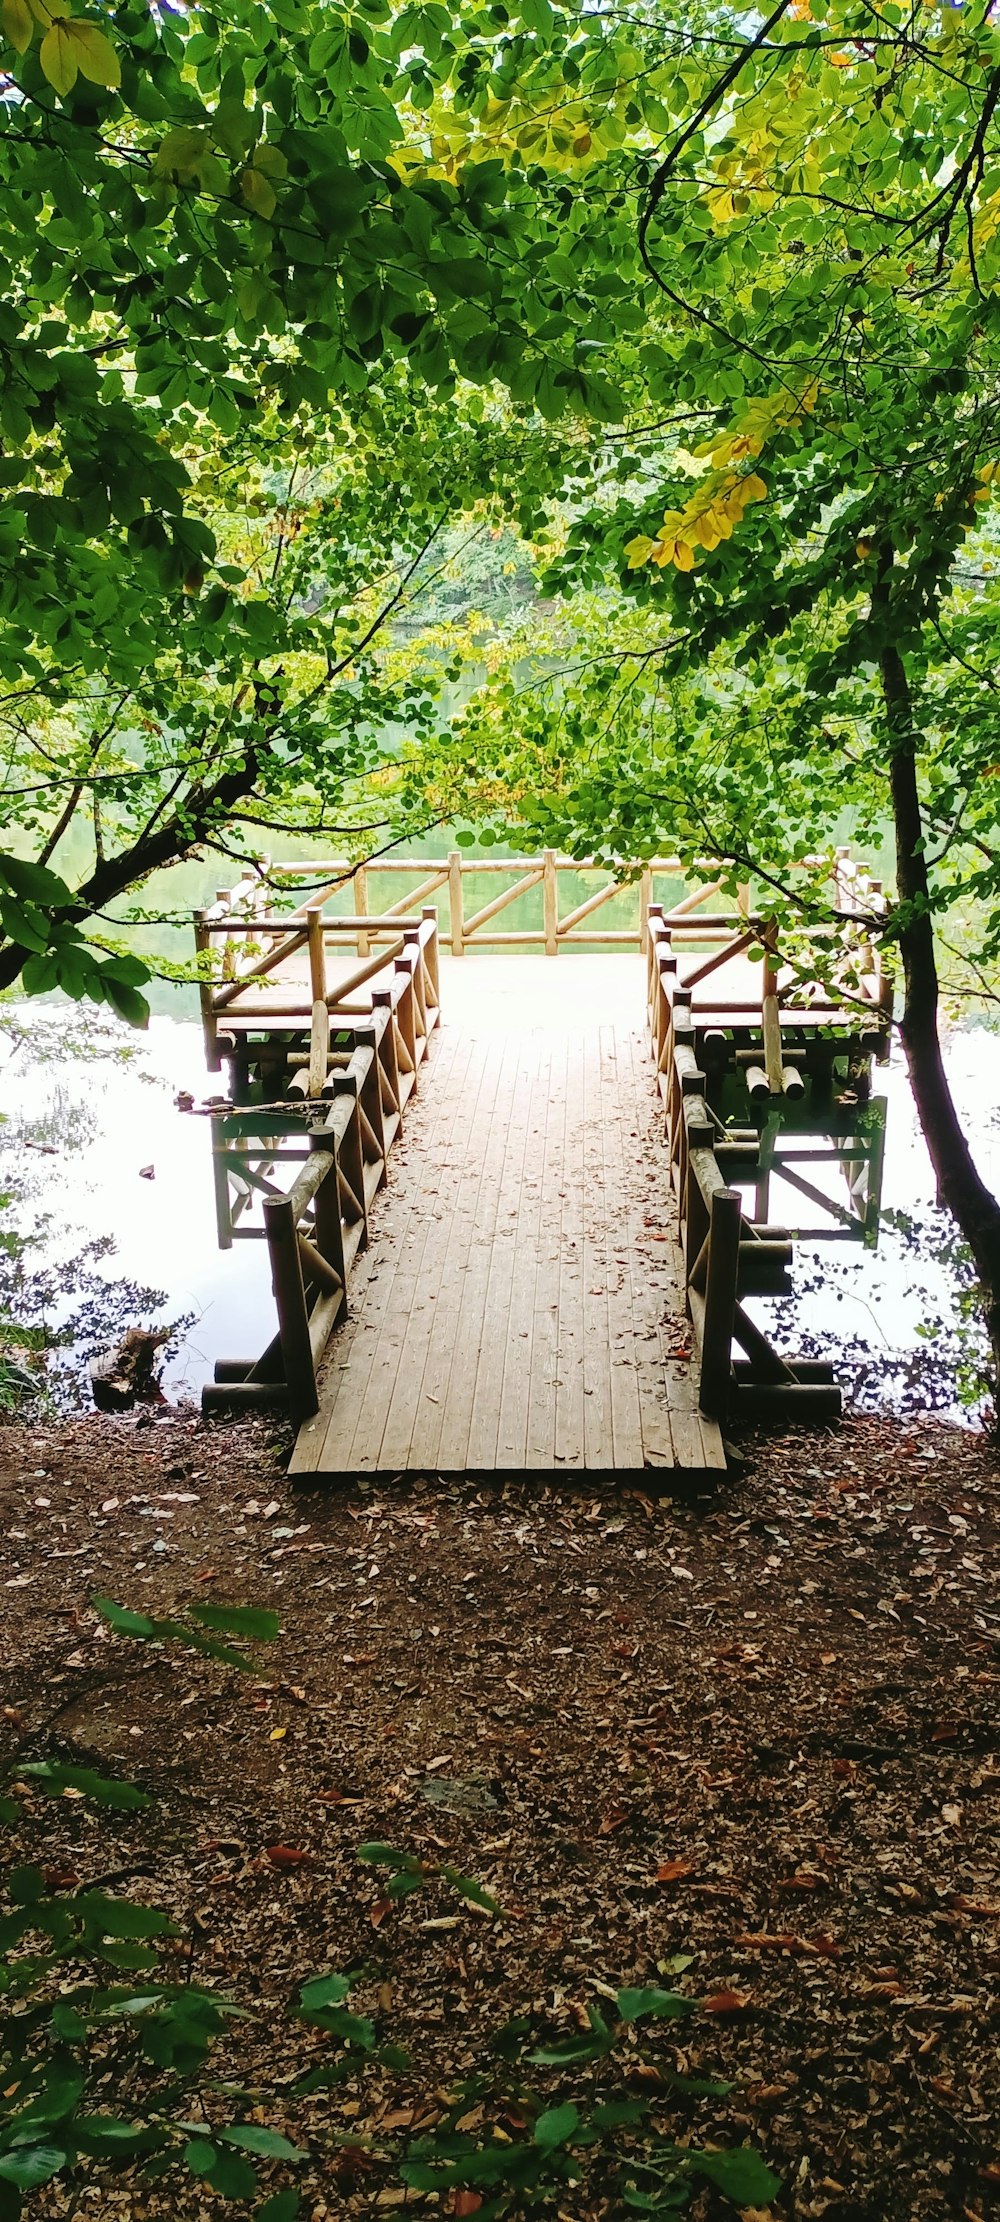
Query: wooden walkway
[[521, 1304]]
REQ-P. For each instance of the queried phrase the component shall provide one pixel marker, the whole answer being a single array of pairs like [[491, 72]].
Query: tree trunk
[[173, 841], [960, 1186]]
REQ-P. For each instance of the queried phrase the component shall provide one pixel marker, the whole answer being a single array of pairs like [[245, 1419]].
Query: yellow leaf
[[96, 57], [17, 24], [277, 1735], [683, 555], [258, 192], [638, 551], [70, 50]]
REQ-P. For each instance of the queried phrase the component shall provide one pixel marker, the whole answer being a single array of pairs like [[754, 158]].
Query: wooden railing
[[774, 1036], [316, 1230], [856, 1004], [466, 929], [729, 1256], [400, 972]]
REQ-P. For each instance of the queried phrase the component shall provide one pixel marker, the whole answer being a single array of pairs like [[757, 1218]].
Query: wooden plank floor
[[520, 1308]]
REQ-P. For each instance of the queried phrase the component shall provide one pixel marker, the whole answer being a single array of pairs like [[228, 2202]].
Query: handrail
[[243, 910], [729, 1252], [318, 1227]]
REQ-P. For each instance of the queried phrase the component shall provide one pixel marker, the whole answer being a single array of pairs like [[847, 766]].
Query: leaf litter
[[778, 1779]]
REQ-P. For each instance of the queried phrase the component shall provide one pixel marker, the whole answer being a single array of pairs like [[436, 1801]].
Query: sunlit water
[[94, 1151]]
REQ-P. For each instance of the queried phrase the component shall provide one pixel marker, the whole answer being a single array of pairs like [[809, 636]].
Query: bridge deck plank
[[520, 1306]]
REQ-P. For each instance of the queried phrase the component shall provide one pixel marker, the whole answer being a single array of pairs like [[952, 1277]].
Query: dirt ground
[[759, 1729]]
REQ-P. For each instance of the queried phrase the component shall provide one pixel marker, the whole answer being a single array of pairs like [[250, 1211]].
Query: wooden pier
[[521, 1307], [545, 1287]]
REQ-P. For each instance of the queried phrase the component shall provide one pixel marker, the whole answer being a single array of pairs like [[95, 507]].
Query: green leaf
[[741, 2174], [124, 1623], [283, 2206], [255, 1625], [467, 1887], [232, 2177], [31, 2165], [121, 1917], [129, 1004], [265, 2142], [100, 2133], [557, 2126], [26, 1885], [324, 1990], [34, 883], [385, 1855], [619, 2113], [666, 2201], [637, 2005], [54, 1775], [200, 2156]]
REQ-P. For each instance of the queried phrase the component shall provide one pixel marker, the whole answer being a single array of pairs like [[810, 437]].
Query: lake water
[[91, 1141]]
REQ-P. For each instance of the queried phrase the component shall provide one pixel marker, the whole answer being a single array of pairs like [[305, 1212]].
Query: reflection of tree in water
[[56, 1314], [58, 1309], [40, 1036], [947, 1370]]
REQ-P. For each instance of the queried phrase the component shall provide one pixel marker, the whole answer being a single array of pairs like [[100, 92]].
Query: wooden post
[[370, 1099], [361, 908], [328, 1227], [550, 903], [645, 898], [209, 1023], [220, 1174], [351, 1156], [431, 958], [386, 1052], [455, 902], [720, 1302], [317, 953], [319, 1046], [290, 1300], [770, 1018], [412, 947]]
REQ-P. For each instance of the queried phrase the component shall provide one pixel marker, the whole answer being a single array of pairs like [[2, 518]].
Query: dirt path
[[760, 1731]]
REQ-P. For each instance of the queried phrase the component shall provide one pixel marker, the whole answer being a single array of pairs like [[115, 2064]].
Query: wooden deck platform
[[521, 1304]]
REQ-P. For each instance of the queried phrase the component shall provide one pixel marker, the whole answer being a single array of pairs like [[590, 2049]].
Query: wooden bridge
[[544, 1286]]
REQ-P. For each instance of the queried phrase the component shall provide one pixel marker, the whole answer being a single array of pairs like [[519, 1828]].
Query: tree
[[814, 612], [225, 286]]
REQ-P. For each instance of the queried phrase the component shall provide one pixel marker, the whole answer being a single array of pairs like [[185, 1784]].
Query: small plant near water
[[109, 2067]]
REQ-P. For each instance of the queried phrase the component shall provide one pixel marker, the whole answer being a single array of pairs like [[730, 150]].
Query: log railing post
[[290, 1301], [431, 952], [317, 953], [770, 1015], [206, 992], [720, 1302], [550, 903], [361, 908], [351, 1156], [645, 898], [328, 1225], [455, 903]]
